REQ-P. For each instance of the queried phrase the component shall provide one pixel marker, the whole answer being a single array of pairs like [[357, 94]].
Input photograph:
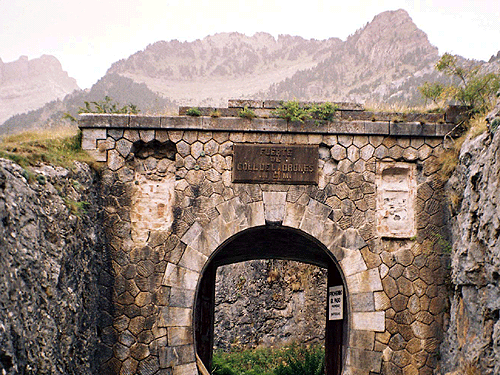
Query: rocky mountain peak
[[29, 84], [391, 36]]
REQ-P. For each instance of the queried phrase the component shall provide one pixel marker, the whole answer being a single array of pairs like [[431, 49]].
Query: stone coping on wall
[[349, 118], [267, 125]]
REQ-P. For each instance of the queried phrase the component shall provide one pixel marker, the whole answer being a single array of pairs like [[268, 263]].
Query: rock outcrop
[[52, 261], [29, 84], [472, 340]]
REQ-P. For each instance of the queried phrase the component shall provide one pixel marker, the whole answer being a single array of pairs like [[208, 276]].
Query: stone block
[[175, 356], [123, 146], [180, 336], [257, 216], [242, 103], [376, 127], [192, 259], [115, 160], [315, 213], [181, 122], [362, 302], [180, 277], [369, 361], [353, 262], [174, 317], [369, 321], [90, 137], [382, 302], [443, 129], [274, 206], [187, 369], [142, 121], [180, 297], [293, 214], [364, 282]]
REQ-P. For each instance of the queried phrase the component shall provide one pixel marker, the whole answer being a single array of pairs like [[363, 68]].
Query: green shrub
[[323, 111], [193, 112], [247, 113], [292, 111]]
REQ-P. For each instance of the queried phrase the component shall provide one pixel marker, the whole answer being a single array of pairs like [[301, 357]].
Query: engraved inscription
[[288, 164]]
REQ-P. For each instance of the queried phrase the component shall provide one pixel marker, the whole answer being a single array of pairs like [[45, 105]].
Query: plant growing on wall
[[193, 112], [323, 111], [108, 105], [247, 113], [292, 111]]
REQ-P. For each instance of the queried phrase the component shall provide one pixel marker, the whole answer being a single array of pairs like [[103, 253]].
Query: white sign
[[335, 302]]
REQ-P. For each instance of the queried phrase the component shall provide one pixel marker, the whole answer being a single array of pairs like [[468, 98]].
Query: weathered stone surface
[[56, 280]]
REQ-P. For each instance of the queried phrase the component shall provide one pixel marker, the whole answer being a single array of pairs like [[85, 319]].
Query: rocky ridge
[[29, 84]]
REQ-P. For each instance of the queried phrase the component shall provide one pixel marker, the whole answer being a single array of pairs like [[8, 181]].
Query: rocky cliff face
[[472, 340], [53, 279], [269, 303], [29, 84]]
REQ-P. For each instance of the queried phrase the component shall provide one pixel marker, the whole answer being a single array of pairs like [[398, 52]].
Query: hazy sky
[[88, 36]]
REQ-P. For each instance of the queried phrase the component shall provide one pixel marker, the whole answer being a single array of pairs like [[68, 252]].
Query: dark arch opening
[[268, 242]]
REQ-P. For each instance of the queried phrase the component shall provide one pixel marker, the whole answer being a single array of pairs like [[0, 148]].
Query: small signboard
[[335, 302], [275, 164]]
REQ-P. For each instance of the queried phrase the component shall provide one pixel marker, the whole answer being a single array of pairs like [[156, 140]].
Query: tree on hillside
[[473, 88]]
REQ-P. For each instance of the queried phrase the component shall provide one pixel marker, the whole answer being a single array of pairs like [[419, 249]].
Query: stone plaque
[[335, 302], [275, 164], [396, 189]]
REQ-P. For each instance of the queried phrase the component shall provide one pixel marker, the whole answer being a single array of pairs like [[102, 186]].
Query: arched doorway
[[268, 242]]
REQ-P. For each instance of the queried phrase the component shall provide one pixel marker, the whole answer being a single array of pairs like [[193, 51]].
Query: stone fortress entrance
[[360, 195]]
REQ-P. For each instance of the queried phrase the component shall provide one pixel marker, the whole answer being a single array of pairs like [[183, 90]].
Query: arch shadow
[[269, 242]]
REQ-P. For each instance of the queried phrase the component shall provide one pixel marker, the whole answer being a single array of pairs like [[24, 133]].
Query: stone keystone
[[274, 206]]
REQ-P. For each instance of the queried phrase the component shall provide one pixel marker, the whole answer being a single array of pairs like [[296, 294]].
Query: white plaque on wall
[[335, 302], [396, 190]]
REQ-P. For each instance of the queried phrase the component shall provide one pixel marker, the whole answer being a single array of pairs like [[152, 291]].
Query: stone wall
[[269, 303], [53, 281], [395, 283], [472, 340]]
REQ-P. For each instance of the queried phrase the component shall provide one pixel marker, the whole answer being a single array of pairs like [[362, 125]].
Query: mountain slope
[[29, 84], [222, 66], [384, 61]]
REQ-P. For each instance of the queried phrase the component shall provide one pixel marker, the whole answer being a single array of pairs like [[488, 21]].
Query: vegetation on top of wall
[[247, 113], [294, 111], [288, 360], [108, 105], [57, 147]]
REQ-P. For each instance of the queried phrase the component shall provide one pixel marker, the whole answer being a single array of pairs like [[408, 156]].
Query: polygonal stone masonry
[[393, 288]]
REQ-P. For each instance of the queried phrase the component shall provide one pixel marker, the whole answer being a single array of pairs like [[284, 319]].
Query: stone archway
[[269, 242]]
